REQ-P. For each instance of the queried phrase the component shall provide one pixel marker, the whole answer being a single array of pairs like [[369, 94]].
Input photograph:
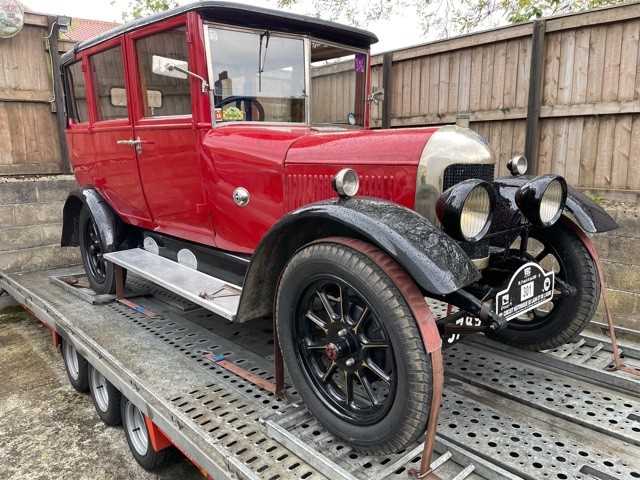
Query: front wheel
[[564, 317], [352, 348]]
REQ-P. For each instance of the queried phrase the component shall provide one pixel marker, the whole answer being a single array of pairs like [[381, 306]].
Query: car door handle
[[129, 141]]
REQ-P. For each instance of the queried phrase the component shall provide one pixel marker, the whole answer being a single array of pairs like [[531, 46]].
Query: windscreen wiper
[[261, 60]]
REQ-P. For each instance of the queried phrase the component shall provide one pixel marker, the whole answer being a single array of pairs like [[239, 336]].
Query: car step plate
[[209, 292]]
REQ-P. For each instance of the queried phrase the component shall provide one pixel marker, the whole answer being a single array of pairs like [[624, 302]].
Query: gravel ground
[[47, 429]]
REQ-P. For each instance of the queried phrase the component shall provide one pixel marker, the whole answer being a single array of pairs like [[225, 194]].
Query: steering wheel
[[248, 102]]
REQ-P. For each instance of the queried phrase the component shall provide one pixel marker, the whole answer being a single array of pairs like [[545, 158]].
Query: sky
[[395, 32]]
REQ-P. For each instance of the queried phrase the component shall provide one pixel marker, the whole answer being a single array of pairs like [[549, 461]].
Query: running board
[[209, 292]]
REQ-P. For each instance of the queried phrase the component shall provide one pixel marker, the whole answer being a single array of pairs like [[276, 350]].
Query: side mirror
[[377, 95], [169, 67]]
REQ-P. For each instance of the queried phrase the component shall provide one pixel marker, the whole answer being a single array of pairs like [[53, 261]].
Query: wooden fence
[[565, 89], [30, 141]]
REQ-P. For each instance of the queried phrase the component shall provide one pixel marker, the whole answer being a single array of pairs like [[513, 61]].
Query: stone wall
[[31, 222], [620, 254]]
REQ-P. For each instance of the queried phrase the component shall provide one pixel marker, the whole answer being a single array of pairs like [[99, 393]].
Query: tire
[[138, 439], [76, 366], [570, 315], [406, 399], [100, 273], [106, 398]]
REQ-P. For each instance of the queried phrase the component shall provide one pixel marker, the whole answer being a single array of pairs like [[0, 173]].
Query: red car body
[[181, 181]]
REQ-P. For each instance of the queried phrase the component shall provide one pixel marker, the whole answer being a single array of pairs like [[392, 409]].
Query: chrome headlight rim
[[451, 206], [531, 198], [346, 183], [518, 165]]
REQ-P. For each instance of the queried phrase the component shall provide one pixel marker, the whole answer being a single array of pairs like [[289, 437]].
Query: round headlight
[[346, 182], [475, 213], [518, 165], [465, 210], [542, 199], [551, 203]]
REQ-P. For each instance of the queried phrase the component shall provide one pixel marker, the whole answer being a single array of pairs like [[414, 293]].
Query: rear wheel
[[100, 273], [562, 319], [353, 349]]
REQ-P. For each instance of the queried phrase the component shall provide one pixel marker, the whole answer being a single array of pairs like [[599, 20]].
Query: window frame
[[138, 108], [70, 104], [90, 81], [307, 39]]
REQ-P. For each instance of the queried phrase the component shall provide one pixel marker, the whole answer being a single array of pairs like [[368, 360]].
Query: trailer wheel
[[76, 367], [100, 273], [353, 349], [137, 434], [106, 398]]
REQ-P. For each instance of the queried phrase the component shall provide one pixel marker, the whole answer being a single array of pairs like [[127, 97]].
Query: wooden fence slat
[[633, 180], [465, 81], [581, 66], [597, 41], [588, 153], [545, 149], [425, 87], [573, 150], [605, 152], [434, 84], [443, 86], [612, 55], [524, 70], [567, 62], [477, 55], [511, 74], [622, 148], [629, 60], [488, 59], [551, 69], [454, 81]]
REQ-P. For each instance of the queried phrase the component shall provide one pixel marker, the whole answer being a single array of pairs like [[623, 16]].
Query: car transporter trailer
[[202, 384]]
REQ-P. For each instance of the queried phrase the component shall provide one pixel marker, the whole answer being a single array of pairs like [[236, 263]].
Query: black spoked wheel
[[345, 351], [352, 348], [566, 315], [100, 272]]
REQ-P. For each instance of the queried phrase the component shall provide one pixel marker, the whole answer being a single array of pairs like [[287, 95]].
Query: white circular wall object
[[11, 18]]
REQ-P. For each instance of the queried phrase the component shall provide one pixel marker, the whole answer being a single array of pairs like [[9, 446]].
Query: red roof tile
[[84, 29]]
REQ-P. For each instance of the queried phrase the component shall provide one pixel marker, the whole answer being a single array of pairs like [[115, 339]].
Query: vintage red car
[[213, 158]]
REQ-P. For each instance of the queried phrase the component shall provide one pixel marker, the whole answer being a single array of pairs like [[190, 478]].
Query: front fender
[[589, 215], [435, 262]]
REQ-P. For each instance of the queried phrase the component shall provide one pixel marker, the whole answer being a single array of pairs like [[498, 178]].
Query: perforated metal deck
[[506, 413]]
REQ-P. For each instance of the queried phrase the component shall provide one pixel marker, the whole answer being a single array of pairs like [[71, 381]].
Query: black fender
[[106, 219], [591, 217], [436, 262]]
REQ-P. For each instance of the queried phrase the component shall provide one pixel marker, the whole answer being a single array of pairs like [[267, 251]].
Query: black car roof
[[248, 16]]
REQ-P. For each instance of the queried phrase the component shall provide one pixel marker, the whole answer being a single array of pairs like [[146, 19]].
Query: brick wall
[[31, 222]]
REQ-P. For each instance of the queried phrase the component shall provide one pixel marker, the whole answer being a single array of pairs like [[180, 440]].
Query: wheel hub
[[337, 349]]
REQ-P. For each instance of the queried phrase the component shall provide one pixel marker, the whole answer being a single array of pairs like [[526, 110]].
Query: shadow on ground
[[47, 429]]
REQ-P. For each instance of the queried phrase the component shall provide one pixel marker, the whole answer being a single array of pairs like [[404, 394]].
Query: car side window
[[76, 93], [163, 95], [108, 84]]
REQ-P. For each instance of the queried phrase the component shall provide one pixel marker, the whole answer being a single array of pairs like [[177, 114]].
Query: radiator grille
[[458, 172]]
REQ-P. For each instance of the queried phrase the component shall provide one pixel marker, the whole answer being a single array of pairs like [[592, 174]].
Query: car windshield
[[257, 76]]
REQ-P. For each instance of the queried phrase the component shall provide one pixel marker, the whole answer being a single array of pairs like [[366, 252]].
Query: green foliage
[[446, 17], [143, 8]]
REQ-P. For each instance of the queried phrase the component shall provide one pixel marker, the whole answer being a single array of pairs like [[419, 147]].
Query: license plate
[[528, 288]]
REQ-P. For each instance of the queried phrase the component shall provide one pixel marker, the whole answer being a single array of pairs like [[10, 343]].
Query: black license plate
[[528, 288]]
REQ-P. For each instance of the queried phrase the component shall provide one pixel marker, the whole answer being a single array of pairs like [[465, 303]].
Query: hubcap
[[93, 248], [344, 351], [136, 429], [99, 390]]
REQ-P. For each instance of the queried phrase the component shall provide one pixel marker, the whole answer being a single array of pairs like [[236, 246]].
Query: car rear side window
[[163, 95], [76, 93], [108, 83]]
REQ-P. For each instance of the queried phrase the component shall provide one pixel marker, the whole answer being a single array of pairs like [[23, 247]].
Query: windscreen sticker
[[359, 62]]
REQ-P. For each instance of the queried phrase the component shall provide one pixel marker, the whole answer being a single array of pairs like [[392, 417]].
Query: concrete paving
[[47, 429]]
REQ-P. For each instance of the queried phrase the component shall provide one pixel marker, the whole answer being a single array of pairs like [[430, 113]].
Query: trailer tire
[[106, 398], [362, 352], [76, 366], [138, 439]]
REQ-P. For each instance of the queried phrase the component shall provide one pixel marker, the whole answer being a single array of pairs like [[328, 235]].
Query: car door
[[168, 152], [114, 164]]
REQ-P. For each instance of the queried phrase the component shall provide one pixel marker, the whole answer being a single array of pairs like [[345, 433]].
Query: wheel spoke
[[371, 365], [364, 381], [309, 344], [360, 320], [542, 255], [348, 386], [327, 375], [317, 321], [370, 344], [327, 306]]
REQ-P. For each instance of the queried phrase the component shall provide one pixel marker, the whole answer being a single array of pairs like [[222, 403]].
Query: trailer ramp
[[505, 414]]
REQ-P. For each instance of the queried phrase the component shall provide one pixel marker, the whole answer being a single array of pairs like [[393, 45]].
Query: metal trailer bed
[[506, 413]]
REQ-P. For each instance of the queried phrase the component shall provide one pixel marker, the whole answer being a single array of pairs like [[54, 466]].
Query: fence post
[[536, 73], [387, 61], [56, 81]]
